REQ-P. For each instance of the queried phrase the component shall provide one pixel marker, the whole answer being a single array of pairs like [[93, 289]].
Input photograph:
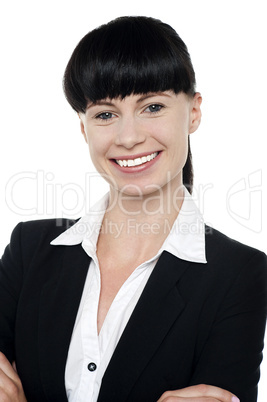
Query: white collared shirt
[[90, 353]]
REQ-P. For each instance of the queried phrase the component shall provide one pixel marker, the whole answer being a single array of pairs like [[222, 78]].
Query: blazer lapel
[[58, 308], [147, 327]]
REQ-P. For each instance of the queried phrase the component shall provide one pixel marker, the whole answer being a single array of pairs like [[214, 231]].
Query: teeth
[[137, 161]]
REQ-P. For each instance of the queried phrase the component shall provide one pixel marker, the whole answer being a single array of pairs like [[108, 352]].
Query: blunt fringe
[[129, 55]]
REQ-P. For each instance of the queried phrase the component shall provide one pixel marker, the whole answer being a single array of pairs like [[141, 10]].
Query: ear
[[195, 115], [81, 117]]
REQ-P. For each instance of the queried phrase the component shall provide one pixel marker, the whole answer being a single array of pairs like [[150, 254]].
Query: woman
[[169, 309]]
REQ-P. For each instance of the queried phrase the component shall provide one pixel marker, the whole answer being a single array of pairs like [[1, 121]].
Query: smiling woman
[[159, 305], [108, 65], [139, 140]]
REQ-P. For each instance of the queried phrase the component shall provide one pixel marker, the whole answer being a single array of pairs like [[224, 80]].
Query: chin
[[139, 190]]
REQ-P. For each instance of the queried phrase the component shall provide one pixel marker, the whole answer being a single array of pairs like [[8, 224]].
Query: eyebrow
[[104, 102], [100, 102], [151, 95]]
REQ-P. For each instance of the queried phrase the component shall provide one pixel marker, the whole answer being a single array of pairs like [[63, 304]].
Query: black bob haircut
[[129, 55]]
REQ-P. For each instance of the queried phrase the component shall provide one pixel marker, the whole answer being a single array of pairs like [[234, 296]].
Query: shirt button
[[91, 366]]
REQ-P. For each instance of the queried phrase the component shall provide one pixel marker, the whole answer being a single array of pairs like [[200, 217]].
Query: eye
[[154, 108], [105, 116]]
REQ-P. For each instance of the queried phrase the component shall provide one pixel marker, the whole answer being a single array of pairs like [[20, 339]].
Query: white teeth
[[137, 161]]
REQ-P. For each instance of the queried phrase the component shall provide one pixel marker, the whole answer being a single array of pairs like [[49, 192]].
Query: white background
[[45, 167]]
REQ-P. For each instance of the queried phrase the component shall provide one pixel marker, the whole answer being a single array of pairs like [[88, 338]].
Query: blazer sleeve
[[231, 355], [11, 275]]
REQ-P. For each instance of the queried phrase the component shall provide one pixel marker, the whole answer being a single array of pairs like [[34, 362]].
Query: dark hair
[[130, 55]]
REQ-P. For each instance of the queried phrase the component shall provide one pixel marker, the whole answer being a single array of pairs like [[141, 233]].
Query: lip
[[135, 169]]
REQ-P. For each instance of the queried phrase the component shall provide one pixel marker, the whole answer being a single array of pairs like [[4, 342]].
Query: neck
[[151, 213], [135, 227]]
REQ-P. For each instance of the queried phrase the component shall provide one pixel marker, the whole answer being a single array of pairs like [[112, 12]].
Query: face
[[140, 144]]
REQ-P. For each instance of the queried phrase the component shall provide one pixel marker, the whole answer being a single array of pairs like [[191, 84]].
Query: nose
[[129, 133]]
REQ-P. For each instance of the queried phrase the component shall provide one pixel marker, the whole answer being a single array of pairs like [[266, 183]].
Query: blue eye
[[154, 108], [104, 116]]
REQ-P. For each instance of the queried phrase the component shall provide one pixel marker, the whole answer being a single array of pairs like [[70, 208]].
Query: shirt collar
[[186, 239]]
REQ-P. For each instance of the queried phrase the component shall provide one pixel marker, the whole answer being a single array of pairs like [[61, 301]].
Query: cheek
[[174, 138], [180, 152], [98, 145], [177, 145]]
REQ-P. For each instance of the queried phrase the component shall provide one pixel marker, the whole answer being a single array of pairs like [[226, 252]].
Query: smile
[[137, 161]]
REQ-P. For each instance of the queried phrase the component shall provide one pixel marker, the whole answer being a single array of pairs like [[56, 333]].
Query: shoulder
[[31, 234], [31, 239], [231, 255]]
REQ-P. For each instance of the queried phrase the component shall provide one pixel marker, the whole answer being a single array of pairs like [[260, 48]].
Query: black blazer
[[194, 323]]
